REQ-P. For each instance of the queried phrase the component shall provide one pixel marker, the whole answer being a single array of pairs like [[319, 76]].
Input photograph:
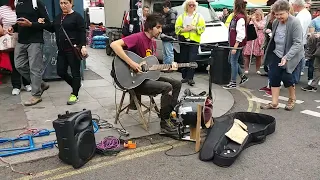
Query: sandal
[[290, 105], [269, 106]]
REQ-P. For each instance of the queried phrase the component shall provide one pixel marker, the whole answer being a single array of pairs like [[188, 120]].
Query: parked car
[[215, 32]]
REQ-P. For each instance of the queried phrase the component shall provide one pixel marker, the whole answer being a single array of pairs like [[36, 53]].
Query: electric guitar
[[127, 78]]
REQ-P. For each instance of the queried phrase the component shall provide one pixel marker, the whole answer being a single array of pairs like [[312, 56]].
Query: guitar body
[[126, 78]]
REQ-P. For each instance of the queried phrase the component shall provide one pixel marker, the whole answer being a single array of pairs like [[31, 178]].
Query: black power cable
[[171, 148]]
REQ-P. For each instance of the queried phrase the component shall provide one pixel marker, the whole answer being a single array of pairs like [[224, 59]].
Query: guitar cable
[[123, 130]]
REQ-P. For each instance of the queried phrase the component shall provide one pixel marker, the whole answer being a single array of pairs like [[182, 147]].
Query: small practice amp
[[75, 137]]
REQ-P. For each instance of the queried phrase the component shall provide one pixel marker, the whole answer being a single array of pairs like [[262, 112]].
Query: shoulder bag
[[8, 42], [77, 50]]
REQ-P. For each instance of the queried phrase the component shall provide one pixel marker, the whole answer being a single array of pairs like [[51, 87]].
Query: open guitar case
[[223, 151]]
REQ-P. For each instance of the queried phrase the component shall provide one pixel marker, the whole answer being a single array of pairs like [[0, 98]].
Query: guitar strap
[[152, 47]]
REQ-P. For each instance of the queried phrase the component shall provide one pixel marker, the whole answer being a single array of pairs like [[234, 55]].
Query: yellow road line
[[250, 106], [247, 93], [123, 153], [257, 103], [115, 161]]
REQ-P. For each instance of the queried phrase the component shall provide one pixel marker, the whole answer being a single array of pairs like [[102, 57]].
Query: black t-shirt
[[33, 34], [74, 26]]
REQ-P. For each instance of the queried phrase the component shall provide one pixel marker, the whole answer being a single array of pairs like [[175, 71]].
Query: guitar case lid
[[222, 150]]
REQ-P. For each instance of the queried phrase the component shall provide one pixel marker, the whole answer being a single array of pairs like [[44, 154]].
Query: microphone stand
[[213, 50]]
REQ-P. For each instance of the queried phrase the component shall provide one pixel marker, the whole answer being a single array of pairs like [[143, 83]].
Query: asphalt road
[[292, 152]]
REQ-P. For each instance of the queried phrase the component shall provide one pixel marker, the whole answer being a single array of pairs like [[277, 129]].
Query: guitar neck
[[167, 66]]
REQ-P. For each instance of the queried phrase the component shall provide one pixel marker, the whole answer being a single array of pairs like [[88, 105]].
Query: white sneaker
[[309, 82], [258, 72], [319, 83], [246, 72], [15, 91], [302, 73], [28, 88]]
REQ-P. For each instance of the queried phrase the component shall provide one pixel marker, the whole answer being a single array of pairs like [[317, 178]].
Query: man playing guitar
[[142, 44]]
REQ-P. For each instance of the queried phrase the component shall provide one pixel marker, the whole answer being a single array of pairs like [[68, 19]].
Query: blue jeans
[[310, 68], [296, 74], [168, 55], [303, 64], [235, 67]]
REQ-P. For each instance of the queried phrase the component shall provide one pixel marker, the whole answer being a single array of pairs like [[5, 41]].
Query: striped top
[[8, 17]]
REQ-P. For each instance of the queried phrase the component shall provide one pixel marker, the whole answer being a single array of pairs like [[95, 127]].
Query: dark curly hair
[[152, 21]]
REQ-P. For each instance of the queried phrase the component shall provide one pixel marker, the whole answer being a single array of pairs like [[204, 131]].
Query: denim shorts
[[277, 73]]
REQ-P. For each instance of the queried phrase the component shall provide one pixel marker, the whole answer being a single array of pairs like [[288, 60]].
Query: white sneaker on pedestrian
[[309, 82], [246, 72], [302, 73], [28, 88], [15, 91]]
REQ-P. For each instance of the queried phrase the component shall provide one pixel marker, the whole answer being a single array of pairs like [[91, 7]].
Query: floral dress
[[258, 43]]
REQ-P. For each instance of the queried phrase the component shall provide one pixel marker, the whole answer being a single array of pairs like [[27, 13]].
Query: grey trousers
[[29, 63]]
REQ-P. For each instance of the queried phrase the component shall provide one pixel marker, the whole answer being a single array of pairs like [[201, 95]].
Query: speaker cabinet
[[75, 137]]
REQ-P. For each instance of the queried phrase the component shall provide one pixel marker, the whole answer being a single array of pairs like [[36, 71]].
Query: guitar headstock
[[193, 65]]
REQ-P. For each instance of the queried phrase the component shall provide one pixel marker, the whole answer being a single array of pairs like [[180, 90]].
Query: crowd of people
[[287, 40]]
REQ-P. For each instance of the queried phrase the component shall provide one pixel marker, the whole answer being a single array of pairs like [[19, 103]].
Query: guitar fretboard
[[167, 66]]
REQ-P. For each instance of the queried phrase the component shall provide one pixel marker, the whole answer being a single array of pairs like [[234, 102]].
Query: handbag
[[251, 32], [8, 42], [77, 50]]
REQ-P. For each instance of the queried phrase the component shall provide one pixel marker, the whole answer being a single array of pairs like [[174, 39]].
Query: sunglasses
[[192, 5]]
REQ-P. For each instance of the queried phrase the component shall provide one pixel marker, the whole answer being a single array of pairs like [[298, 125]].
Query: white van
[[215, 32]]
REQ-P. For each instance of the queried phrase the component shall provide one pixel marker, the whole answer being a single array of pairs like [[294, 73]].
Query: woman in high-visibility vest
[[189, 27]]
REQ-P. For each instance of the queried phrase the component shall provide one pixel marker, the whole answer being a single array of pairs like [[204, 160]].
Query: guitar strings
[[167, 66]]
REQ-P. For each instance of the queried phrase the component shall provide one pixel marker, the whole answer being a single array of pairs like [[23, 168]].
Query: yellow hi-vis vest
[[230, 17], [197, 22]]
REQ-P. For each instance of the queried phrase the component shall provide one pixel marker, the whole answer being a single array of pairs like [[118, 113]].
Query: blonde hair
[[291, 11], [186, 2], [260, 12]]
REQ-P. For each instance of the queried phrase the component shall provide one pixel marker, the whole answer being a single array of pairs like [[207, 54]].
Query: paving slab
[[12, 116]]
